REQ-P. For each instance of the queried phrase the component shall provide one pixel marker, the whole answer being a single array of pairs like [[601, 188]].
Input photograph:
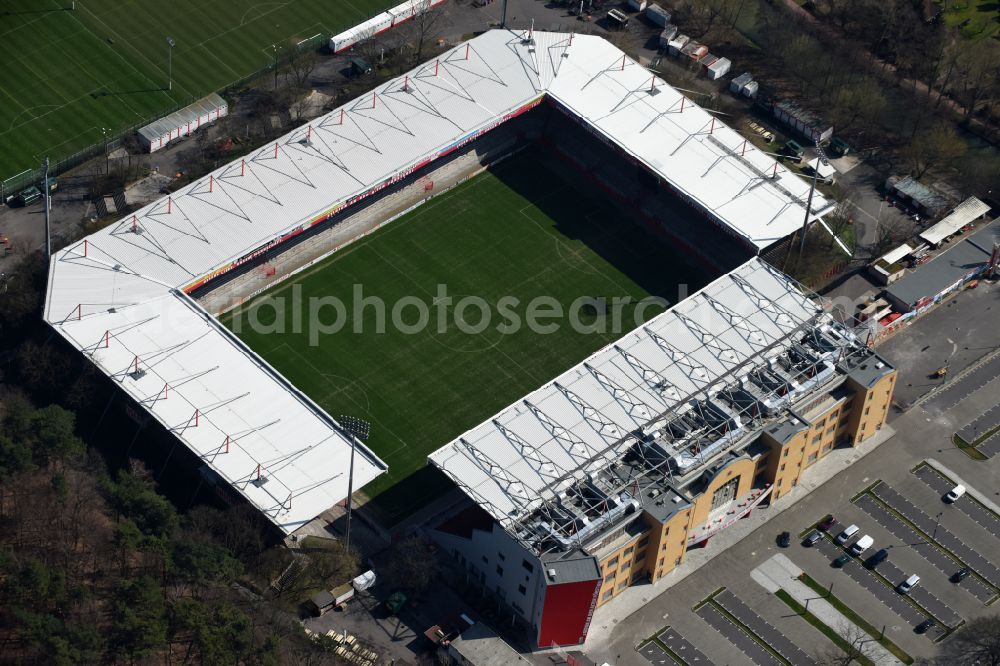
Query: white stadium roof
[[118, 296], [576, 425]]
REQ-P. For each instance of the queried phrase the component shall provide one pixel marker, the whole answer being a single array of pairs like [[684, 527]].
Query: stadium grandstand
[[126, 296], [608, 474]]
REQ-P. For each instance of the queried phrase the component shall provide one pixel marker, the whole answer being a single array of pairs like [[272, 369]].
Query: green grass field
[[517, 230], [66, 74]]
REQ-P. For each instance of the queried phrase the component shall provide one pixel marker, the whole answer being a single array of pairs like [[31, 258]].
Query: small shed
[[914, 194], [637, 5], [718, 68], [824, 170], [964, 214], [657, 15], [802, 120], [183, 122], [321, 603], [668, 33], [736, 85], [750, 89]]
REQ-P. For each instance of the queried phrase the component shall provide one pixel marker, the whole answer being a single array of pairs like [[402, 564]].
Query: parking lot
[[714, 617]]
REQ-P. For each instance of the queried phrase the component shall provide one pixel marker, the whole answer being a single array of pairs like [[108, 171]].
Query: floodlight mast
[[45, 193], [359, 430]]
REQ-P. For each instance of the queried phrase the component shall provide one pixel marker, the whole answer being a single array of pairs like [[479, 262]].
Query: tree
[[300, 67], [975, 644], [938, 146], [138, 501], [850, 652], [200, 562], [138, 616], [413, 565], [426, 19]]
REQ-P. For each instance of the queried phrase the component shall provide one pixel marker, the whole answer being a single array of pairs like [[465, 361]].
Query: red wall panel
[[566, 613]]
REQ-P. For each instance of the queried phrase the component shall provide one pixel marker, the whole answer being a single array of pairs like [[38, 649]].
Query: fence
[[14, 184]]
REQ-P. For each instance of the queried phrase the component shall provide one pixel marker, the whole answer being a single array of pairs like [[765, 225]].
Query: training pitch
[[518, 231], [67, 74]]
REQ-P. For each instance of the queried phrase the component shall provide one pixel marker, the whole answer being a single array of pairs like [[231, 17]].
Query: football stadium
[[515, 165]]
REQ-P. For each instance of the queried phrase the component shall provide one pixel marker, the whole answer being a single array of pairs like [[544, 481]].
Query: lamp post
[[170, 63], [274, 47], [107, 160]]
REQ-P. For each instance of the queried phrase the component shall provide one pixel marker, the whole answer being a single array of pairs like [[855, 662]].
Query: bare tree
[[851, 651], [975, 644], [300, 67], [426, 20]]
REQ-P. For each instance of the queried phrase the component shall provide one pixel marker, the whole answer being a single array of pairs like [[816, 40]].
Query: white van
[[847, 534], [955, 493], [907, 585], [863, 544]]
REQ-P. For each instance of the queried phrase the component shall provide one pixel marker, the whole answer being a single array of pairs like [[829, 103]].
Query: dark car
[[784, 539], [812, 538], [841, 561], [925, 626], [827, 523], [877, 559], [961, 575]]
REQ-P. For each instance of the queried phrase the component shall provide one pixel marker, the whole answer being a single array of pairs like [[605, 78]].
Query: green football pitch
[[516, 231], [66, 74]]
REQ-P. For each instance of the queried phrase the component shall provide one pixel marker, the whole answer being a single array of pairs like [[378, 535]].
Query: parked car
[[861, 545], [784, 539], [925, 626], [955, 493], [907, 585], [844, 536], [878, 558], [961, 575], [827, 523], [812, 538], [841, 561]]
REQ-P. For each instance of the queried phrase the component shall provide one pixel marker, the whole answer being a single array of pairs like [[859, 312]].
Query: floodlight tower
[[359, 430], [45, 193], [821, 158], [170, 63]]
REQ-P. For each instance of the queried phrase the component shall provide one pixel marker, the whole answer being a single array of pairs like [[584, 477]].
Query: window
[[637, 575], [610, 577], [622, 585], [847, 407], [612, 562], [677, 562], [817, 438], [499, 570], [833, 415], [779, 483], [782, 468], [819, 424], [608, 595], [625, 567], [661, 561], [867, 409], [830, 430], [485, 560], [828, 446], [666, 531], [869, 397], [812, 457], [628, 551], [642, 544], [528, 566], [785, 454], [502, 558], [522, 589]]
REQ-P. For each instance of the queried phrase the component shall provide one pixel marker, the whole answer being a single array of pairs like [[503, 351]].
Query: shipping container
[[750, 89], [637, 5], [694, 51], [182, 123], [736, 85], [657, 15], [668, 33], [718, 69], [677, 43]]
